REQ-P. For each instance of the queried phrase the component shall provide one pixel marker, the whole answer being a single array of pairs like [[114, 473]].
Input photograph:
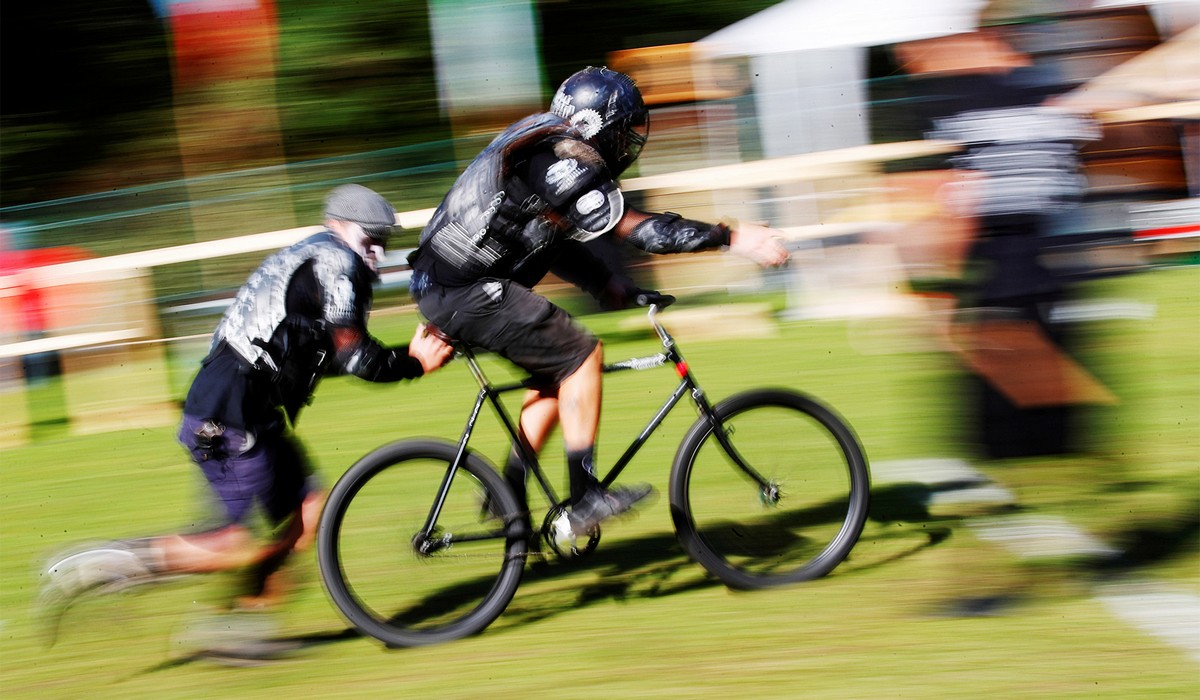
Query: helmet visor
[[636, 136]]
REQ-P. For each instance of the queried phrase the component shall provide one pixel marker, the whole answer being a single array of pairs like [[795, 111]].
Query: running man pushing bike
[[527, 202]]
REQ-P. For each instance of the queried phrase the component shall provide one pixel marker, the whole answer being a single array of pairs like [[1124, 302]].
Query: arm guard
[[671, 233], [361, 355]]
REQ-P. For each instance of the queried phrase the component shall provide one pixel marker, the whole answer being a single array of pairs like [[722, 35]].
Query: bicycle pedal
[[560, 535]]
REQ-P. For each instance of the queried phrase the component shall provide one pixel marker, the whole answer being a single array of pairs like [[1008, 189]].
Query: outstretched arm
[[671, 233], [758, 244], [586, 200]]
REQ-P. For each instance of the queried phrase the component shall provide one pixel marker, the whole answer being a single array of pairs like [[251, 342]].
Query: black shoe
[[600, 504]]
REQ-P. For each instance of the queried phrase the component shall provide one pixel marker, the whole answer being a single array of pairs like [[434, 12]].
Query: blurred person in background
[[527, 203], [1017, 169], [302, 314]]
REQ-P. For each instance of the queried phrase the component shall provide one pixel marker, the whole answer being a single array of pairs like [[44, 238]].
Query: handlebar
[[647, 297], [438, 333]]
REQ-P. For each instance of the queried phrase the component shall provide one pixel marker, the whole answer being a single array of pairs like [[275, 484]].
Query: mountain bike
[[422, 541]]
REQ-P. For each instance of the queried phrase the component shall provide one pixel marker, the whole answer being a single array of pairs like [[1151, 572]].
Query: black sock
[[515, 474], [581, 470]]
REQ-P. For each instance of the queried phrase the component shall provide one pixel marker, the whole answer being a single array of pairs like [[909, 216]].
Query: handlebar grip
[[649, 297], [439, 333]]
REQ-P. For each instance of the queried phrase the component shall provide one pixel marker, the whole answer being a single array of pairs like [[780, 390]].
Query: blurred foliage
[[77, 80], [355, 77], [86, 88]]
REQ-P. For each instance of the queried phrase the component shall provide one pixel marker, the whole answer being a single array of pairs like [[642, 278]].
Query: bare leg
[[310, 514], [579, 402], [579, 411], [233, 547], [269, 582], [118, 564], [576, 404], [539, 415]]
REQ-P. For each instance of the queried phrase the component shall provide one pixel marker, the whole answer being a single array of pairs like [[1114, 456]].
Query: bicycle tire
[[369, 560], [752, 538]]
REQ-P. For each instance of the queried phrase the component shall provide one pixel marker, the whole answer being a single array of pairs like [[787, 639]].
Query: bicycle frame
[[490, 393], [789, 435]]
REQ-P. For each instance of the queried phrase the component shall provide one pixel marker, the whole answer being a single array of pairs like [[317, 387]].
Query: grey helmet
[[363, 206]]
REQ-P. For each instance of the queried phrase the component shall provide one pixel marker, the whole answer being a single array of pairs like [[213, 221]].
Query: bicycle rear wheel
[[800, 516], [403, 586]]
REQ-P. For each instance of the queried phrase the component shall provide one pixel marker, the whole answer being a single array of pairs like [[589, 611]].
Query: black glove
[[619, 293]]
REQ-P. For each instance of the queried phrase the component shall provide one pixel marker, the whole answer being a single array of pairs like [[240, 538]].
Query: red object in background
[[219, 40], [29, 299], [1181, 231]]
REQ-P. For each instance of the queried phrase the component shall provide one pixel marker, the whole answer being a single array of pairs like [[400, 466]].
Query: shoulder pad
[[565, 171], [339, 271], [596, 211]]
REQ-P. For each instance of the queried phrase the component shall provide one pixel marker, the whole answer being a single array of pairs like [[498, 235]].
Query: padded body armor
[[536, 184], [294, 349]]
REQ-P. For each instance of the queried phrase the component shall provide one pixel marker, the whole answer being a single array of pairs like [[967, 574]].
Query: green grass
[[639, 620]]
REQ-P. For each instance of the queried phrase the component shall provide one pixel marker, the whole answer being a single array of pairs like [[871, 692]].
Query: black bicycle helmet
[[607, 110]]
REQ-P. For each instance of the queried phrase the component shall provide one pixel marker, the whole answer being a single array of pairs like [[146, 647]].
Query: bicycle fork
[[768, 491]]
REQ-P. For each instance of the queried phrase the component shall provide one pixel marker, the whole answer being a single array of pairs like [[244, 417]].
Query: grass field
[[925, 607]]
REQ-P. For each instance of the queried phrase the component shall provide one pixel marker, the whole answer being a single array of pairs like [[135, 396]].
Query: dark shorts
[[266, 467], [512, 321]]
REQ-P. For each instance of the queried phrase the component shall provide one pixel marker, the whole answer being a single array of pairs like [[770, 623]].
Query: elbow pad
[[671, 233], [371, 361]]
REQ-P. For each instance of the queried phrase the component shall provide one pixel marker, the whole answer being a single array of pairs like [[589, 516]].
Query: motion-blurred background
[[139, 127], [994, 221], [144, 126]]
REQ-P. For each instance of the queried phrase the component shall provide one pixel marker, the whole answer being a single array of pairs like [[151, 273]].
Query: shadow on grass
[[654, 566], [644, 567], [911, 502], [1147, 545], [291, 649]]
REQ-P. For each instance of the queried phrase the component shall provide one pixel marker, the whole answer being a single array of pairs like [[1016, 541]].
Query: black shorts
[[510, 320]]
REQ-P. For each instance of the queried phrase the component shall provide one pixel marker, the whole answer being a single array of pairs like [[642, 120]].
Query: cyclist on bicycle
[[528, 201], [300, 315]]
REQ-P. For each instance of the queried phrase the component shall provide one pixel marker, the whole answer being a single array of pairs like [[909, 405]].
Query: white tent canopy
[[796, 25], [809, 62]]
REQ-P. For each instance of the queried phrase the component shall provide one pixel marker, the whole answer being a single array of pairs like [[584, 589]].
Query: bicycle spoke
[[798, 523], [409, 587]]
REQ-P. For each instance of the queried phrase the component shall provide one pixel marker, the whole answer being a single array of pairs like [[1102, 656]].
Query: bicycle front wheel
[[408, 585], [779, 496]]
